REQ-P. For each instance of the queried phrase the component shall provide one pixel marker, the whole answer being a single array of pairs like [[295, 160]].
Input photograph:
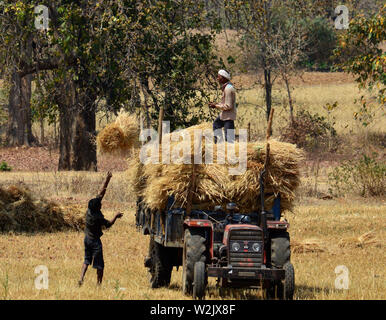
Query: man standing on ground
[[93, 232], [227, 117]]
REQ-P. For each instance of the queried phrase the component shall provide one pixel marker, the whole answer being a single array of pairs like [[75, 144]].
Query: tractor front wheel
[[280, 258], [199, 283]]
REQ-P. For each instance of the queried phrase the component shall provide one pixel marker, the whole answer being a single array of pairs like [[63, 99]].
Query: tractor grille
[[245, 256]]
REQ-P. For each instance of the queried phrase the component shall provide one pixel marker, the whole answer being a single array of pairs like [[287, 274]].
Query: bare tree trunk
[[65, 135], [84, 148], [19, 131], [77, 149], [55, 134], [290, 102], [42, 138], [26, 93], [65, 101], [145, 89], [268, 93], [15, 134]]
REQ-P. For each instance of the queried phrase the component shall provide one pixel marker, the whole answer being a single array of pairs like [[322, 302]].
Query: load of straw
[[20, 212], [155, 182], [120, 136]]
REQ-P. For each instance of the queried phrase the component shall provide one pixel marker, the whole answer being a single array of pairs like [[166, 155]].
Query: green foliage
[[366, 177], [4, 166], [118, 52], [321, 37], [361, 55], [311, 132]]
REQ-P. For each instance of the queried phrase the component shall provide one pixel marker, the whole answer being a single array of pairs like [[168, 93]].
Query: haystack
[[155, 182], [19, 211], [120, 136]]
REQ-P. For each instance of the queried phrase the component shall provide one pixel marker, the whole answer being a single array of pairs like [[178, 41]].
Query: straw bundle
[[364, 239], [120, 136], [155, 182], [20, 212], [307, 246]]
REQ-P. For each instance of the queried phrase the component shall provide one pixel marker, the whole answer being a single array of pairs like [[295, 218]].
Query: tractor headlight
[[235, 246], [256, 247]]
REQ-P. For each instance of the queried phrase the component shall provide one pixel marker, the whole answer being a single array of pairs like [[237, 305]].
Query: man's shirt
[[228, 102]]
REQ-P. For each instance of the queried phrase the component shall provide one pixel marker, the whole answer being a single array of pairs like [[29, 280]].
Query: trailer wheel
[[194, 251], [159, 267], [199, 283]]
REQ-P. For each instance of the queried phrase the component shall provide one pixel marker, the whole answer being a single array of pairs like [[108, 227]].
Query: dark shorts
[[93, 253]]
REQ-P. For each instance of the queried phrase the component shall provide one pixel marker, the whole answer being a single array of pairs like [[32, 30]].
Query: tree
[[174, 62], [273, 36], [361, 55], [110, 50], [16, 54], [287, 49]]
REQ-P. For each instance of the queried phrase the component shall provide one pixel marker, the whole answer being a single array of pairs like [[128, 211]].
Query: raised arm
[[112, 221], [103, 191]]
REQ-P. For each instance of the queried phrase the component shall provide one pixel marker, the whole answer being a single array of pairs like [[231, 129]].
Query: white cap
[[224, 74]]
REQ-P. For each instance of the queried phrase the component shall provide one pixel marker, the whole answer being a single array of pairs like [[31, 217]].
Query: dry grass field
[[324, 234]]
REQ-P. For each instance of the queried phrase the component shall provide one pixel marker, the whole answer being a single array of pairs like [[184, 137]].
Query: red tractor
[[241, 250]]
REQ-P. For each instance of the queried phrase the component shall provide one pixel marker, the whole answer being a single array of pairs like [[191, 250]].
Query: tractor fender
[[204, 225]]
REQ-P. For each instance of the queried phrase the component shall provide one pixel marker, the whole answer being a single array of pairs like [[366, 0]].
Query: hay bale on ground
[[367, 238], [307, 246], [21, 212], [120, 136]]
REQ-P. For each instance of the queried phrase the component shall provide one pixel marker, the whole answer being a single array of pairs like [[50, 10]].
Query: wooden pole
[[192, 186], [160, 119]]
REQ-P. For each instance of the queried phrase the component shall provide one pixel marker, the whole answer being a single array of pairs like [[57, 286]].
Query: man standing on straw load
[[227, 117], [93, 232]]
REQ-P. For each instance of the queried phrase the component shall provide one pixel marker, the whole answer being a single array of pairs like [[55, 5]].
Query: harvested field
[[125, 278]]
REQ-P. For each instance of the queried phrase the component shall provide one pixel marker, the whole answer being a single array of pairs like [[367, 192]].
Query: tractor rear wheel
[[159, 267], [194, 251]]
